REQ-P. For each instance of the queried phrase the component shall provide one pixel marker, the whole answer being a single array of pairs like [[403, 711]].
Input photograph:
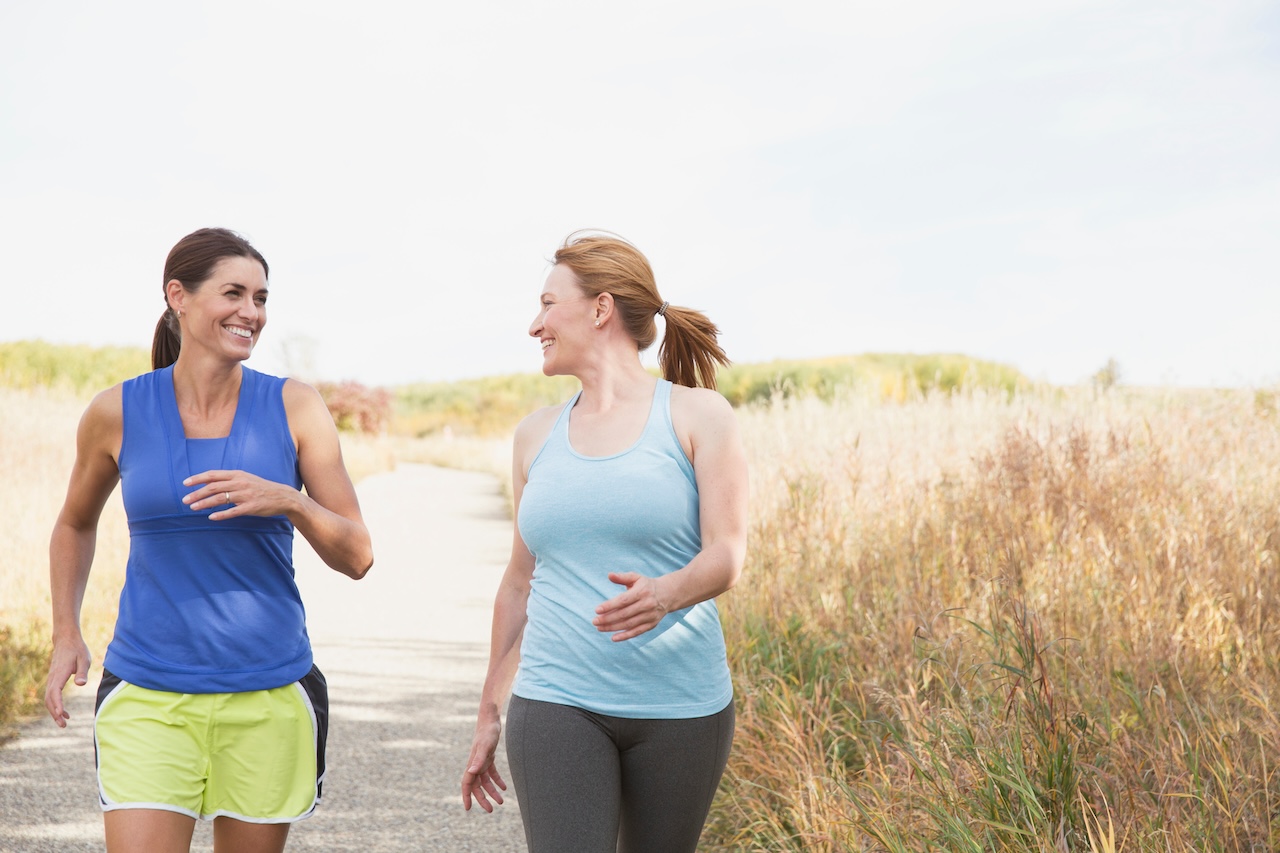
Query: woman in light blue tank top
[[210, 706], [630, 519]]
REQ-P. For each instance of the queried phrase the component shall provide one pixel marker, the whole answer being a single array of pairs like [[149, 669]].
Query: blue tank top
[[207, 606], [584, 516]]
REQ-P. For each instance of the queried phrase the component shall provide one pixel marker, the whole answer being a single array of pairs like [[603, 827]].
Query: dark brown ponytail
[[167, 340]]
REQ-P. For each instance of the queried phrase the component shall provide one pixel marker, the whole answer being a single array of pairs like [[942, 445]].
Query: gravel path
[[404, 651]]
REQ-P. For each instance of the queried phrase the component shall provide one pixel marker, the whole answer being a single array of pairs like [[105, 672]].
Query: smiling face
[[226, 314], [564, 322]]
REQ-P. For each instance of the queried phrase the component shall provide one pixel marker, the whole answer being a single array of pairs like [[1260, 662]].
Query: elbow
[[358, 563], [731, 579], [737, 558], [361, 568]]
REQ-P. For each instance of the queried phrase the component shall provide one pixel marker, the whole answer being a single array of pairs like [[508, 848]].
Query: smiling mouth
[[238, 332]]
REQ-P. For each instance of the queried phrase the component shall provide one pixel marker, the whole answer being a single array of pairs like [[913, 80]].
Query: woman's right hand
[[481, 779], [70, 657]]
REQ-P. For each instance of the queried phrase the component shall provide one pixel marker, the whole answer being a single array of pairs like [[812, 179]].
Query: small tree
[[1107, 376]]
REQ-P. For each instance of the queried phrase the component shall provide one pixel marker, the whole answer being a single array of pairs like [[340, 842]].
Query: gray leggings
[[590, 783]]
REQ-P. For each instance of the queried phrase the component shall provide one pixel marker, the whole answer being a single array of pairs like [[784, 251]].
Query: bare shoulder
[[533, 430], [97, 467], [302, 402], [308, 416], [531, 434], [703, 420], [105, 412], [300, 394], [108, 403], [696, 406], [101, 429]]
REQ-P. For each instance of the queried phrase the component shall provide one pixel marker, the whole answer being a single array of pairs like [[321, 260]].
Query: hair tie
[[662, 311]]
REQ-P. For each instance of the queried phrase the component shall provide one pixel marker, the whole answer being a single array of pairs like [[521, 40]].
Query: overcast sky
[[1047, 184]]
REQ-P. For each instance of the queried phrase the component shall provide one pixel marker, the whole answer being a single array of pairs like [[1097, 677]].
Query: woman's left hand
[[633, 612], [248, 494]]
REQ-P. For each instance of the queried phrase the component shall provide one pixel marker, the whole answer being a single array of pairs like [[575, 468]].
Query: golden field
[[988, 620], [37, 447], [1044, 624]]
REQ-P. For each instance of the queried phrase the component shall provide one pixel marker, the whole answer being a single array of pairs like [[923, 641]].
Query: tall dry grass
[[1049, 624], [37, 448]]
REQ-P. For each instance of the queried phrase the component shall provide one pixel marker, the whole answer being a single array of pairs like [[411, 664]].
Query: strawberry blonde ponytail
[[690, 352]]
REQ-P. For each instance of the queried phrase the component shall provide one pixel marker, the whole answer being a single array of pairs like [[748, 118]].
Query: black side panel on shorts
[[109, 682], [317, 690]]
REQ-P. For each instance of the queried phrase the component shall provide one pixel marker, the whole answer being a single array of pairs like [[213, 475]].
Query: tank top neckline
[[170, 395], [176, 435], [562, 425]]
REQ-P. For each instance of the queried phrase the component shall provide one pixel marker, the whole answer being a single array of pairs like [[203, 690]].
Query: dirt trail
[[404, 651]]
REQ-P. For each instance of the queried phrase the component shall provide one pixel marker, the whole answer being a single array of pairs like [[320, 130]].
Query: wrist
[[489, 712], [297, 506], [662, 593], [70, 634]]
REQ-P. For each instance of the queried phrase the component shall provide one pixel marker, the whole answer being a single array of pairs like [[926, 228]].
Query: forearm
[[70, 559], [714, 570], [342, 543], [504, 649]]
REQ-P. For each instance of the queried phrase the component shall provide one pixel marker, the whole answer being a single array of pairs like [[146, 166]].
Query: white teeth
[[546, 344], [243, 333]]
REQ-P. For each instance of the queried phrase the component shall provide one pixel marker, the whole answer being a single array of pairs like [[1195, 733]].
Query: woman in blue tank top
[[210, 706], [630, 519]]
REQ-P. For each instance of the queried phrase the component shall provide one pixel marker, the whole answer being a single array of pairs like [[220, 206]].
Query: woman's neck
[[614, 382], [205, 388]]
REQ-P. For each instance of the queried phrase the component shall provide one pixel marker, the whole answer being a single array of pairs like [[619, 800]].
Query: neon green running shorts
[[256, 756]]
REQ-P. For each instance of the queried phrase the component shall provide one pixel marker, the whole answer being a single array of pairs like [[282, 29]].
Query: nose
[[249, 308], [535, 328]]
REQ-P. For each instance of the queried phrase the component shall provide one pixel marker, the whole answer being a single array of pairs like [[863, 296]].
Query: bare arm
[[481, 779], [71, 547], [327, 513], [720, 467]]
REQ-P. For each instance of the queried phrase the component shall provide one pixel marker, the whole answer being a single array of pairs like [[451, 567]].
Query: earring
[[597, 324]]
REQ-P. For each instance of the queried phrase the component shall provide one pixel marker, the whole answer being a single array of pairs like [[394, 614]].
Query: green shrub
[[887, 376], [77, 368]]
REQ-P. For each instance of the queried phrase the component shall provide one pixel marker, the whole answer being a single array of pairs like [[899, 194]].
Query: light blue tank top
[[585, 516], [207, 606]]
